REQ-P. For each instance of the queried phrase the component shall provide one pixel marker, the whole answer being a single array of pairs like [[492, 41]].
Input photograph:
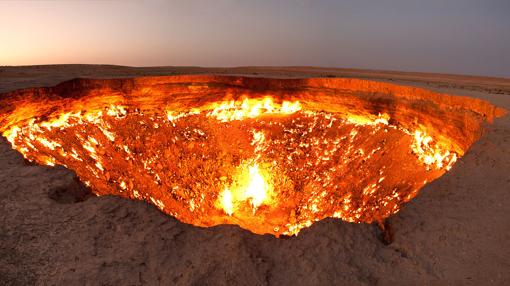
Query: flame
[[251, 108], [309, 145], [257, 187], [431, 155], [364, 120], [225, 201], [251, 185]]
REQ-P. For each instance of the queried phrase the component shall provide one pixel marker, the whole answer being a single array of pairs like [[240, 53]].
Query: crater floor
[[454, 231]]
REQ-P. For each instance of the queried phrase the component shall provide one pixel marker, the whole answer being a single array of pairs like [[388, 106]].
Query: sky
[[445, 36]]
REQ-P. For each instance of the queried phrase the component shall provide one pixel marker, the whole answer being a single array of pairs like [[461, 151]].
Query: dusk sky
[[447, 36]]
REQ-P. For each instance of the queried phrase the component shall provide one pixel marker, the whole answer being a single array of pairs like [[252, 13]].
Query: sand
[[455, 232]]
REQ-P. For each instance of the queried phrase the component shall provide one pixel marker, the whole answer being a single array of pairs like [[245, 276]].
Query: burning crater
[[270, 155]]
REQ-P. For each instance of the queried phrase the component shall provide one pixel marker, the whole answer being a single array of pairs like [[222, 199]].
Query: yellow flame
[[225, 200], [251, 108], [368, 119], [257, 188], [251, 185], [431, 155]]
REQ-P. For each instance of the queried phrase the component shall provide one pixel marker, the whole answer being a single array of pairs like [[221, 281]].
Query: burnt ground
[[456, 232]]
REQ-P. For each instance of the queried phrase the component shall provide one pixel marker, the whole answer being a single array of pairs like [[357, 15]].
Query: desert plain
[[455, 232]]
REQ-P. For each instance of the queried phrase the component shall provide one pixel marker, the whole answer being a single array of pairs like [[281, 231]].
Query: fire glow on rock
[[267, 164]]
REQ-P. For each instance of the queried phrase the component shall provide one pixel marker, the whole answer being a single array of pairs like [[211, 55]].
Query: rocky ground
[[456, 232]]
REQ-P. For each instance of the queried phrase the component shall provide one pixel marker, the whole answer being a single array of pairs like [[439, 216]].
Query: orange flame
[[251, 189]]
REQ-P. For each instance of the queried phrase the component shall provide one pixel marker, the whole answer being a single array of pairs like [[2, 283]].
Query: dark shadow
[[74, 192]]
